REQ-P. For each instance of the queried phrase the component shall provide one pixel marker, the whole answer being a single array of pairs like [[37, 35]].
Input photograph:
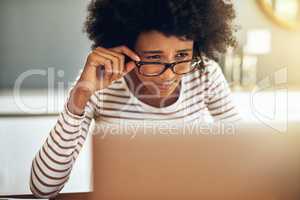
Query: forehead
[[157, 41]]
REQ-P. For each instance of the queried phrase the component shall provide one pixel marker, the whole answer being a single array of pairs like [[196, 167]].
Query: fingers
[[114, 59], [125, 50], [96, 61], [131, 54], [119, 54], [111, 61]]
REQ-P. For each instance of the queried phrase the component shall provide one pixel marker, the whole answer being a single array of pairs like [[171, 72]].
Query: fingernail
[[137, 58]]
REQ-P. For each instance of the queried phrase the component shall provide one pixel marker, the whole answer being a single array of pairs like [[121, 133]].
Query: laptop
[[244, 161]]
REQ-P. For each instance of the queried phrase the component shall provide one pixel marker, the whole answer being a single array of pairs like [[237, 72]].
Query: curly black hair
[[209, 23]]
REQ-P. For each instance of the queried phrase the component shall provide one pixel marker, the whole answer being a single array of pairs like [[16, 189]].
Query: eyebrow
[[159, 51]]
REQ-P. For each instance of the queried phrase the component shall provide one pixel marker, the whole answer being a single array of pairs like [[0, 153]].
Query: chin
[[166, 93], [161, 93]]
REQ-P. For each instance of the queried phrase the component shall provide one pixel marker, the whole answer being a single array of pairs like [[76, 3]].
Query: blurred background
[[43, 48], [47, 36]]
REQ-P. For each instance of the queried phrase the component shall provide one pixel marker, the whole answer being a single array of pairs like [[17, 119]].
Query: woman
[[150, 61]]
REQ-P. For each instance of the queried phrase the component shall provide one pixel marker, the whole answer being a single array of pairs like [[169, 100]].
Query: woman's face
[[155, 47]]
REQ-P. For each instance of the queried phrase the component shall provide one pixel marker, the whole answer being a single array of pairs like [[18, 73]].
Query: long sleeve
[[52, 165], [220, 103]]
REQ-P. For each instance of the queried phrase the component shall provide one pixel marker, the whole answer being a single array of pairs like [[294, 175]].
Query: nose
[[168, 75]]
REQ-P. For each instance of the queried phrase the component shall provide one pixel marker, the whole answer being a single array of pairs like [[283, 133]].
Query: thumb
[[129, 66]]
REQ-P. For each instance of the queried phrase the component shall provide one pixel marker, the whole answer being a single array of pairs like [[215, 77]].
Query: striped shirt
[[203, 97]]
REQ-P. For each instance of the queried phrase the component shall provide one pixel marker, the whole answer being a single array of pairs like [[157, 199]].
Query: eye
[[182, 55], [153, 57]]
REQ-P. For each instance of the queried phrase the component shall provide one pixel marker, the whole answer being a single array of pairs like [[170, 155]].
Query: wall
[[285, 44], [41, 35]]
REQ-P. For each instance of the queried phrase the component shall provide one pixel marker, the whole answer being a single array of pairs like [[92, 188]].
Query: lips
[[166, 85], [170, 82]]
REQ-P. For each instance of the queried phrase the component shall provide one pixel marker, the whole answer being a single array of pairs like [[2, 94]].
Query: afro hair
[[209, 23]]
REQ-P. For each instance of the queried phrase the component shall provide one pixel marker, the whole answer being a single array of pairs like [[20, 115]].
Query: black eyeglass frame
[[195, 61]]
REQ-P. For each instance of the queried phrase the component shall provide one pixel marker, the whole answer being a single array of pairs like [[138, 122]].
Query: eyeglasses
[[151, 69]]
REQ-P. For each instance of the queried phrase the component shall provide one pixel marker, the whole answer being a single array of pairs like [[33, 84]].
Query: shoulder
[[212, 68], [114, 95], [117, 87]]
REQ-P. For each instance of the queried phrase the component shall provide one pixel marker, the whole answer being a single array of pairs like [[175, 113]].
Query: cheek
[[145, 79]]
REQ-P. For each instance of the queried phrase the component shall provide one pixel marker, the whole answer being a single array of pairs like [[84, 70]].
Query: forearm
[[53, 163], [79, 97]]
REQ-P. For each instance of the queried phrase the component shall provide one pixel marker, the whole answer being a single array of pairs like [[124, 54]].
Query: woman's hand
[[103, 66]]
